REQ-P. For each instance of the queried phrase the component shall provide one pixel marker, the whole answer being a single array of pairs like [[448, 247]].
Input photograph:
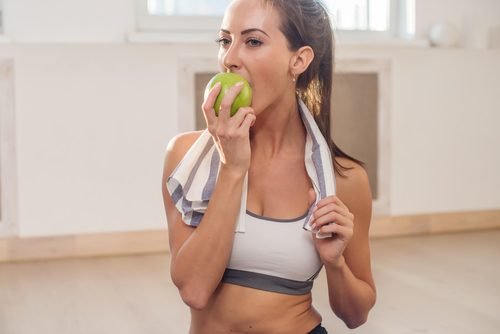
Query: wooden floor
[[446, 284]]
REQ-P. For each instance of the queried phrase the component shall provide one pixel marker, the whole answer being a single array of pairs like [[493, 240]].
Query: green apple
[[227, 80]]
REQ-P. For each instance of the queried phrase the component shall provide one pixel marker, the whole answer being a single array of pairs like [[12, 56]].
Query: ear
[[301, 59]]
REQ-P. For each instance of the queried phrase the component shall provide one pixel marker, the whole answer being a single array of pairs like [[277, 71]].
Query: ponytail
[[306, 22]]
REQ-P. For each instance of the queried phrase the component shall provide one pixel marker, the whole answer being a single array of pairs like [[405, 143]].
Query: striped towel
[[193, 180]]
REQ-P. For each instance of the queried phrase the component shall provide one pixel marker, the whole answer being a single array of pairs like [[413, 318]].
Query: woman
[[284, 49]]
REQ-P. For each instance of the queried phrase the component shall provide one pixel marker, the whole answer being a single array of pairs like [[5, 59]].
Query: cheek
[[270, 81], [220, 61]]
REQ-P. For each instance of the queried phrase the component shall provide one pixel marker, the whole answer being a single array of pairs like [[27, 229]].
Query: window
[[389, 18], [360, 14], [187, 7], [374, 18]]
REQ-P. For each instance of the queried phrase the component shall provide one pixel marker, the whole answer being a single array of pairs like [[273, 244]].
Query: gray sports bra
[[275, 255]]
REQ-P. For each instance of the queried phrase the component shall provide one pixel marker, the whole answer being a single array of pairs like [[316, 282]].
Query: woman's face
[[252, 45]]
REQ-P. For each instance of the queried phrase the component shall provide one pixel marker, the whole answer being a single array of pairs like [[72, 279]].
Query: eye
[[222, 41], [254, 42]]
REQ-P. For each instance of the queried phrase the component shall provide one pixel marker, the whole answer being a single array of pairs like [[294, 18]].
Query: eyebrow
[[246, 31]]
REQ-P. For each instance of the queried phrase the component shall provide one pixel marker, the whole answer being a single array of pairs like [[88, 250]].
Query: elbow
[[194, 297], [356, 320], [355, 323], [195, 302], [192, 294]]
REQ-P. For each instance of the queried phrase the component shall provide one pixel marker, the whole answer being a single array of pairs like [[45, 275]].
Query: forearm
[[201, 261], [350, 298]]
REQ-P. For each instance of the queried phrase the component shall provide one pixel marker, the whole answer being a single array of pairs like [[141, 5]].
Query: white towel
[[193, 180]]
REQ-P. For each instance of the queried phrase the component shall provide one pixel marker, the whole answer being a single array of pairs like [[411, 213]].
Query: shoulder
[[179, 145], [353, 175], [183, 141], [353, 187], [177, 148]]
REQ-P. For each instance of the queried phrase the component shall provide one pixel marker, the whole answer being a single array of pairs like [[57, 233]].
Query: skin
[[268, 141]]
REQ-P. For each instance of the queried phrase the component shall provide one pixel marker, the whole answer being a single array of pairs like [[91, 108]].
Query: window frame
[[148, 22], [189, 26]]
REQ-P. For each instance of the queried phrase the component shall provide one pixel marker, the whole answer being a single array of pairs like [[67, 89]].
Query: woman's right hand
[[231, 134]]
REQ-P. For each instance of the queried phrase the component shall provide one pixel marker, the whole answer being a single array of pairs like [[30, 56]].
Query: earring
[[294, 78]]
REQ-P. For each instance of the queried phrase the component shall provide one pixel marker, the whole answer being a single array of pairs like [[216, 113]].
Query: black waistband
[[266, 282], [318, 330]]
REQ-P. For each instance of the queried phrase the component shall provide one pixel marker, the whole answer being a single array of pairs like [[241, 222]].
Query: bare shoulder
[[353, 189], [176, 150], [354, 181], [180, 144]]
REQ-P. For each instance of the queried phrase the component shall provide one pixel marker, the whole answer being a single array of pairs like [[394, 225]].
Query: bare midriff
[[237, 310]]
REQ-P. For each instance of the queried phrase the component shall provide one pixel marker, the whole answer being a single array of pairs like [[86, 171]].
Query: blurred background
[[92, 91]]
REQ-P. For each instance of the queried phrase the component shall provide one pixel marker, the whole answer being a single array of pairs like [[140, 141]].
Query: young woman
[[284, 48]]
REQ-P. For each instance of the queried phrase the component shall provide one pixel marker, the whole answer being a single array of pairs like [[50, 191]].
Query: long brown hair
[[306, 22]]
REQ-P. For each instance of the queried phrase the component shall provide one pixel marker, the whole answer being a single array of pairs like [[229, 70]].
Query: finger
[[332, 207], [248, 122], [240, 116], [227, 101], [332, 199], [324, 201], [341, 232], [337, 201], [321, 210], [332, 217], [208, 104]]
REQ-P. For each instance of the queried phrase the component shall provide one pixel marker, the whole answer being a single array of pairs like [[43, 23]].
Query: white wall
[[474, 19], [445, 143], [93, 119], [91, 124], [70, 21]]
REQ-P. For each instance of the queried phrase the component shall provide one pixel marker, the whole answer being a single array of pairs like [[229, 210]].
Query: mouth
[[244, 76], [249, 82]]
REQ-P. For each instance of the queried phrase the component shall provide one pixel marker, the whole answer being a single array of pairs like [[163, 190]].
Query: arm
[[200, 255], [351, 288]]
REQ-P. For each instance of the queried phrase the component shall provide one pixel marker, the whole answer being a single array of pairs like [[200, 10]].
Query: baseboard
[[85, 245], [147, 242], [394, 226]]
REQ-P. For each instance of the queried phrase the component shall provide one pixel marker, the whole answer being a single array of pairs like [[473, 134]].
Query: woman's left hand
[[330, 215]]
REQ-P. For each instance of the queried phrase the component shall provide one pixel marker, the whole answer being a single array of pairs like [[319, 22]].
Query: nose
[[231, 59]]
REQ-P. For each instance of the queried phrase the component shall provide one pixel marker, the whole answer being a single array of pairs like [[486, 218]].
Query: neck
[[278, 130]]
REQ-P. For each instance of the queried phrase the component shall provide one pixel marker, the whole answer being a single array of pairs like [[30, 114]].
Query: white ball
[[444, 35]]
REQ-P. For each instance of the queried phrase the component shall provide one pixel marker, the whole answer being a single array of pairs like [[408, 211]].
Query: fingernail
[[313, 226], [239, 84]]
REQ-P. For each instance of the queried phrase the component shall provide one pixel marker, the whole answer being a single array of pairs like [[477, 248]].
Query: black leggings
[[318, 330]]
